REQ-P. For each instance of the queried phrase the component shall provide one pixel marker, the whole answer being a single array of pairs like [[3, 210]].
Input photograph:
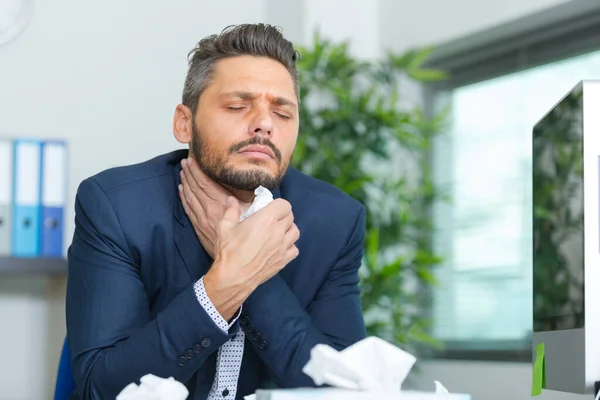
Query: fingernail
[[180, 188], [189, 161], [183, 162]]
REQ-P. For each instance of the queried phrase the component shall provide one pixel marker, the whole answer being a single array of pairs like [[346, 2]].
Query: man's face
[[246, 125]]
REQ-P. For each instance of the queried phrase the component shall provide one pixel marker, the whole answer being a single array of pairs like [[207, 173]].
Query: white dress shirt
[[229, 356]]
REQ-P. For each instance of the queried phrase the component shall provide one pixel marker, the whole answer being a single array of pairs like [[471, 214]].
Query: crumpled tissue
[[263, 197], [439, 388], [371, 363], [153, 387], [371, 366]]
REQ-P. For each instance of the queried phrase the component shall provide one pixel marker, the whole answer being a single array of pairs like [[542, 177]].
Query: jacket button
[[251, 327], [189, 354], [206, 342], [197, 348], [244, 320], [182, 361], [256, 336], [262, 345]]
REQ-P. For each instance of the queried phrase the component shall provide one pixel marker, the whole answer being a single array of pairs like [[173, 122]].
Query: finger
[[287, 222], [185, 204], [199, 180], [204, 238], [278, 228], [188, 188], [290, 254], [190, 184], [291, 236], [232, 211], [193, 203], [280, 209]]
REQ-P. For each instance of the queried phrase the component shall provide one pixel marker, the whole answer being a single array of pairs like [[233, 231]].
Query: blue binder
[[54, 189], [26, 198]]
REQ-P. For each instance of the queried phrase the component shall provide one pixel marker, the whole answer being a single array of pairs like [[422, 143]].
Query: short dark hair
[[261, 40]]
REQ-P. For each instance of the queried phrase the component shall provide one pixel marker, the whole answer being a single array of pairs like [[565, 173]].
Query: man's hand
[[203, 201], [246, 253], [249, 253]]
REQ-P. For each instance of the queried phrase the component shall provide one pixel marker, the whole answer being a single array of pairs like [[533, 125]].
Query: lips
[[258, 150]]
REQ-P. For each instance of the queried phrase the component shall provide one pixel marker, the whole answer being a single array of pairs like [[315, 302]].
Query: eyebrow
[[249, 96]]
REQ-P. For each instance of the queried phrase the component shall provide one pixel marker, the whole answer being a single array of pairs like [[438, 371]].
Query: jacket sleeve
[[283, 332], [112, 338]]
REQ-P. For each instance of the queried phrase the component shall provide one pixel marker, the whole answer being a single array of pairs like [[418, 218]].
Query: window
[[483, 161]]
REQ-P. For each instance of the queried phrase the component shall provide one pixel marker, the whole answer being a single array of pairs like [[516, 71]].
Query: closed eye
[[283, 116]]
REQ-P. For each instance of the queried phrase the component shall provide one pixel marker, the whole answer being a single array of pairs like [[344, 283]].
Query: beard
[[215, 166]]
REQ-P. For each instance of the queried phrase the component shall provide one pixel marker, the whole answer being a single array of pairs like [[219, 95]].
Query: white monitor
[[566, 240]]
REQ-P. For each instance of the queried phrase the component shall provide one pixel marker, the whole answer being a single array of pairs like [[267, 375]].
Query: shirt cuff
[[210, 308]]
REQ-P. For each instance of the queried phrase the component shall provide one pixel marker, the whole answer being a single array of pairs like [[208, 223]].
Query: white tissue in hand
[[154, 388], [369, 364], [263, 197]]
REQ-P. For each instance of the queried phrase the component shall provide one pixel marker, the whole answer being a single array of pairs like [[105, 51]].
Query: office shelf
[[33, 266]]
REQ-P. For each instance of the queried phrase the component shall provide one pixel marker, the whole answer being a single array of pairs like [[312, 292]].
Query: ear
[[182, 124]]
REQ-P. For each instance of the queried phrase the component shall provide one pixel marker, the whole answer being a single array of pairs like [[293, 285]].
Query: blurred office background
[[106, 77]]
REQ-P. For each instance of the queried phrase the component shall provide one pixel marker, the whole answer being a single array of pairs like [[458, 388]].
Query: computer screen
[[558, 229]]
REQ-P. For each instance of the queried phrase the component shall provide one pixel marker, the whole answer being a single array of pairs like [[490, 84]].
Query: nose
[[262, 124]]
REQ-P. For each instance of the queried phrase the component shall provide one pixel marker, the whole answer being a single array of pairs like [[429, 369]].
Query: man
[[165, 279]]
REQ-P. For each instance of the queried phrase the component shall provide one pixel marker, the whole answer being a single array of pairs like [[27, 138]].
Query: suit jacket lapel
[[276, 193]]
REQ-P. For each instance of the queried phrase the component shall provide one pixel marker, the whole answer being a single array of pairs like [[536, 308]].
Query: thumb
[[232, 210]]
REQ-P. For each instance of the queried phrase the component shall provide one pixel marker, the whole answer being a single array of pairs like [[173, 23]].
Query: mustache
[[256, 140]]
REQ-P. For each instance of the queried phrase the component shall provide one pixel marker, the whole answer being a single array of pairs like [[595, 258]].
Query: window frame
[[554, 34]]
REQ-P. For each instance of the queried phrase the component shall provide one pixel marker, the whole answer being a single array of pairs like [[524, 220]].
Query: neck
[[246, 197]]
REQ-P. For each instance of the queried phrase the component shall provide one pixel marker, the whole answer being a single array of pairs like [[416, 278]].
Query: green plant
[[355, 134]]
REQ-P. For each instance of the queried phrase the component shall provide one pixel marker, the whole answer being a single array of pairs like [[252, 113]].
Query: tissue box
[[343, 394]]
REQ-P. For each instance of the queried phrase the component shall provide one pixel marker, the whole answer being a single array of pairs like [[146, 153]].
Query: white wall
[[107, 75], [358, 23]]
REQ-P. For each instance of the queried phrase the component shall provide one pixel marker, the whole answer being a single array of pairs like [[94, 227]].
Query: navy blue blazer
[[131, 307]]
